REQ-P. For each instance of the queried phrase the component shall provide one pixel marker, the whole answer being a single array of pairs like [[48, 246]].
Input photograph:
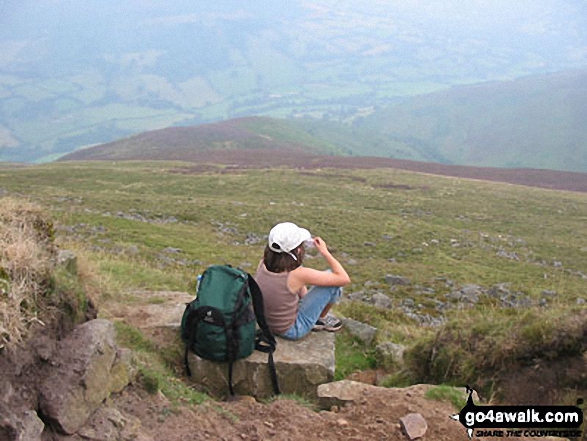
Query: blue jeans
[[309, 309]]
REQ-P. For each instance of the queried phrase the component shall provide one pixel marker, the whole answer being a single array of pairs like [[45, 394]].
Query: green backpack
[[220, 323]]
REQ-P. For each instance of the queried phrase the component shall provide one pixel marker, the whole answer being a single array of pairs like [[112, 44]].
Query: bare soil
[[376, 417]]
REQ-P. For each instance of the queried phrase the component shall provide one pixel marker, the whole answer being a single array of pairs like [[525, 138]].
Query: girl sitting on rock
[[291, 309]]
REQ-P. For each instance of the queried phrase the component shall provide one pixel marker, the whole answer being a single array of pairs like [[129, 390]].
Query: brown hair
[[283, 262]]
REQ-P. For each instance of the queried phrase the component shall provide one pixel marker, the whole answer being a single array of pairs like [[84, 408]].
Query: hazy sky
[[540, 26]]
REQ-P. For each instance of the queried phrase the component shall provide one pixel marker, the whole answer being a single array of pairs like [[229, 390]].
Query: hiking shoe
[[328, 323]]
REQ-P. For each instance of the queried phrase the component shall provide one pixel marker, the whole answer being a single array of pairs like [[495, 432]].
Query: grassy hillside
[[535, 122], [157, 225]]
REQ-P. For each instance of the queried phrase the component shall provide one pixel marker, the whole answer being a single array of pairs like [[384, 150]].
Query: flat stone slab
[[342, 392], [301, 366], [163, 309]]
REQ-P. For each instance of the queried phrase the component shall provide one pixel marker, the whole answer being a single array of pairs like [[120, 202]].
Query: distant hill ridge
[[265, 142], [183, 143]]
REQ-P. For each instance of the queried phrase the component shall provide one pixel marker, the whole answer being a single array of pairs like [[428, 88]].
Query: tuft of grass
[[474, 347], [448, 394], [68, 294], [155, 367], [27, 256], [401, 378], [352, 356]]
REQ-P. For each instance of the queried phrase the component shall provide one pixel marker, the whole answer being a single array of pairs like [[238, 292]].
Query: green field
[[147, 226]]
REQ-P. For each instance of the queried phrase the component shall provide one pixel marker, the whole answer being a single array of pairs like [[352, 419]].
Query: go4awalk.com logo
[[517, 421]]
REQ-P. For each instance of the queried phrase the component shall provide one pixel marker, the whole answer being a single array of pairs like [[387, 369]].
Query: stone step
[[159, 309], [301, 367]]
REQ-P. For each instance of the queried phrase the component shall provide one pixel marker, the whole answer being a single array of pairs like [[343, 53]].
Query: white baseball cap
[[287, 236]]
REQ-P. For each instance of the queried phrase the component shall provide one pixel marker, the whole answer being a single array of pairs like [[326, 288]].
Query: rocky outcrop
[[109, 424], [87, 368], [20, 426], [301, 366]]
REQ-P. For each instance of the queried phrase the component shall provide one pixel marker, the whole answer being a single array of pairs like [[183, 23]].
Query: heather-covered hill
[[268, 142], [185, 143]]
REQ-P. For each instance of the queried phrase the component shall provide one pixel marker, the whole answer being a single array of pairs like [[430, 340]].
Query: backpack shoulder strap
[[259, 309], [265, 340]]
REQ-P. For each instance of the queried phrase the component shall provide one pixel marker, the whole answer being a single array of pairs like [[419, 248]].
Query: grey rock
[[163, 314], [500, 290], [394, 280], [301, 365], [171, 250], [365, 333], [468, 294], [20, 426], [408, 303], [109, 424], [342, 392], [254, 239], [133, 250], [68, 260], [391, 354], [380, 300], [508, 255], [357, 296], [426, 319], [413, 425], [440, 306]]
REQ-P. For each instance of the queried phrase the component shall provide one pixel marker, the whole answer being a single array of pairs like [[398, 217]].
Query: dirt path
[[376, 417]]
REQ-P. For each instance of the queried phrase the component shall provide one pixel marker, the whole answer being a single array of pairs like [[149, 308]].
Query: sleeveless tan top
[[281, 305]]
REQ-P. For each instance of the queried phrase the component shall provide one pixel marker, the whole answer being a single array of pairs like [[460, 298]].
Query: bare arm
[[302, 276]]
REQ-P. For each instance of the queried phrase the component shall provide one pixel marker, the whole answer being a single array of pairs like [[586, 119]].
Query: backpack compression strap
[[195, 316], [265, 340]]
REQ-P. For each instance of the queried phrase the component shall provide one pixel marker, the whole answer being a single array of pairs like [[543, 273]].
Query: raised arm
[[337, 276]]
